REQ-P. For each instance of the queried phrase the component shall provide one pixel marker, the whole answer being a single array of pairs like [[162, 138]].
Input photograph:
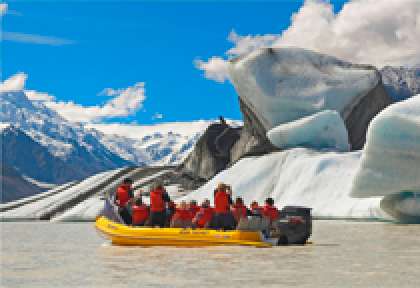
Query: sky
[[151, 62]]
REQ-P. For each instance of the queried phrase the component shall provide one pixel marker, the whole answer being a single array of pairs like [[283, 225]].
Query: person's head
[[157, 186], [205, 203], [193, 203], [128, 181], [228, 189], [269, 201], [139, 201], [239, 201], [183, 205], [221, 186], [254, 205]]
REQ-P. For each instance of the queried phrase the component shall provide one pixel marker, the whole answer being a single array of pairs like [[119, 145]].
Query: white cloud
[[35, 39], [215, 68], [3, 8], [14, 83], [38, 96], [378, 32], [246, 44], [124, 102]]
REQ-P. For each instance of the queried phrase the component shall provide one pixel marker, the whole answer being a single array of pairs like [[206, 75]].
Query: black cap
[[269, 201]]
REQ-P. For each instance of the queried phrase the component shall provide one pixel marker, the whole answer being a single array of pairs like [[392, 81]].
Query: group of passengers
[[163, 212]]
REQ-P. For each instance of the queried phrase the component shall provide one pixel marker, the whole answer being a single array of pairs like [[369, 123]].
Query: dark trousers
[[158, 218], [224, 221], [125, 215]]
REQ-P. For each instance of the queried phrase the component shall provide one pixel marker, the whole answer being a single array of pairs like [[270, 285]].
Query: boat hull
[[120, 234]]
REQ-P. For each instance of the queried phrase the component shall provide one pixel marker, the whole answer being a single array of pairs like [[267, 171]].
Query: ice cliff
[[391, 158], [390, 163]]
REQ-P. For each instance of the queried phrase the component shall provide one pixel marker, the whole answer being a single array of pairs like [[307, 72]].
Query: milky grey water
[[343, 254]]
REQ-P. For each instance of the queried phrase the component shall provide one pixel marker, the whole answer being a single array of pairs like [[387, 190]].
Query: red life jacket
[[221, 202], [271, 212], [156, 201], [139, 213], [257, 210], [203, 216], [194, 210], [183, 214], [122, 195], [239, 211]]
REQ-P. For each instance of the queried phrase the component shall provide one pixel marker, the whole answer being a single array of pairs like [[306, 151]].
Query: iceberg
[[391, 159], [323, 130], [280, 85], [300, 176], [285, 84]]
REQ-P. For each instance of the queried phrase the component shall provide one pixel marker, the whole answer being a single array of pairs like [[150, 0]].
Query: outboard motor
[[294, 225]]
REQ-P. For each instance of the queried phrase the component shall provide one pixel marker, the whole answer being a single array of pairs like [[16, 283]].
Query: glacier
[[285, 84], [323, 130], [299, 176], [88, 209], [35, 210]]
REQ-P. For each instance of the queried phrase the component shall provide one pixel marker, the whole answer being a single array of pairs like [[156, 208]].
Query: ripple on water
[[344, 254]]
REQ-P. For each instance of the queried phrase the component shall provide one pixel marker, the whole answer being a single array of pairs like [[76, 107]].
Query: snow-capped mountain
[[153, 145], [40, 145], [400, 82], [67, 141]]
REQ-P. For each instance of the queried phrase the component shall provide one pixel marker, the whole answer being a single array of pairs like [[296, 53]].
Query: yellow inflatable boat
[[120, 234]]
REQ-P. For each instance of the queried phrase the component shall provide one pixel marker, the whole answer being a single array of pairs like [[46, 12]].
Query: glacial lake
[[343, 254]]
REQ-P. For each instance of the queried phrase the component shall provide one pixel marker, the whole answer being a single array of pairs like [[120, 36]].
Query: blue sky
[[115, 45]]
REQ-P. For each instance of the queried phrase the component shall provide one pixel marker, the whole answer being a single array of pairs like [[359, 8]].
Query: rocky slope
[[33, 160], [212, 151], [16, 185]]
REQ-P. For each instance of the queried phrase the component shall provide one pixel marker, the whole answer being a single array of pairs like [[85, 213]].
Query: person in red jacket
[[123, 197], [170, 211], [256, 209], [270, 211], [158, 201], [223, 218], [204, 215], [239, 210], [139, 213], [182, 217], [194, 208]]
